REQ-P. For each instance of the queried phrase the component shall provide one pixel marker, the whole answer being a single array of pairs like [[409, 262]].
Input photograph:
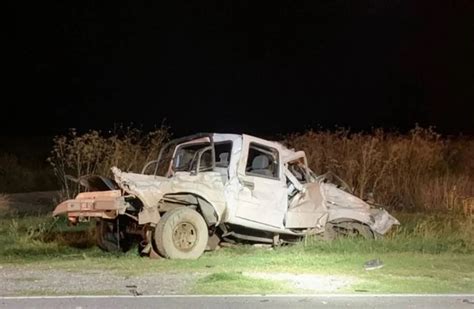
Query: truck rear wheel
[[181, 234]]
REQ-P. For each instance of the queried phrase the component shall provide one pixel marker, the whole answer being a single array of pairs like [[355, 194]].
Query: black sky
[[261, 68]]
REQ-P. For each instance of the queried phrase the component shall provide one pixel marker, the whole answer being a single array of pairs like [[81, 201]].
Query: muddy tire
[[348, 229], [363, 231], [181, 234], [108, 239]]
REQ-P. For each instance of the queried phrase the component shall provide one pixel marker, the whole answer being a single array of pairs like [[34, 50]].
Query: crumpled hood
[[341, 204]]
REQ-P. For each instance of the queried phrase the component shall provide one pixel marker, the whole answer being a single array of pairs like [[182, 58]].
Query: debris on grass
[[373, 264]]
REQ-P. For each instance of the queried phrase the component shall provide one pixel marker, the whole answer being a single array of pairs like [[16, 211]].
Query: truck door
[[263, 194]]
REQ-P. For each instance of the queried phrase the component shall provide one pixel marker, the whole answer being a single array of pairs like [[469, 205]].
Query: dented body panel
[[151, 190]]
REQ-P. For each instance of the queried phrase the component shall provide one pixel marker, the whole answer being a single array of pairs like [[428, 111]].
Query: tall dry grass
[[418, 171], [94, 152]]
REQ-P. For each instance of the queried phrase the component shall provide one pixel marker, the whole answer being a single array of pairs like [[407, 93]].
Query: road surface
[[252, 301]]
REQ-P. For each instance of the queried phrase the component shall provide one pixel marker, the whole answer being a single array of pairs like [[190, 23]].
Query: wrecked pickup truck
[[208, 188]]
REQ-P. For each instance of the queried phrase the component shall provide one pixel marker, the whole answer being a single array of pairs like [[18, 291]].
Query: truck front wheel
[[348, 229], [181, 234]]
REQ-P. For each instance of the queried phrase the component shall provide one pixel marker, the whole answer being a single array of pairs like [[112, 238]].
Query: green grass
[[35, 238], [237, 283], [416, 260]]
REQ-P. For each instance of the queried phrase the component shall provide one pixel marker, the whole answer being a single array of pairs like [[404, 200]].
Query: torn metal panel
[[383, 221], [342, 204], [307, 209]]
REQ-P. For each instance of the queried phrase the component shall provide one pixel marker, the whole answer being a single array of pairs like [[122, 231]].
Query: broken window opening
[[186, 157], [223, 152], [262, 161], [299, 170]]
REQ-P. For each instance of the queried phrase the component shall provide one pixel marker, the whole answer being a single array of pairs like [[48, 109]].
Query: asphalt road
[[283, 301]]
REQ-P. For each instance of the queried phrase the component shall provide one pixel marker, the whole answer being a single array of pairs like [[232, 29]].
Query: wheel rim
[[184, 236]]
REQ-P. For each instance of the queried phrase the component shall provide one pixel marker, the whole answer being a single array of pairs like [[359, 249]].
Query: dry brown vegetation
[[418, 171], [77, 155]]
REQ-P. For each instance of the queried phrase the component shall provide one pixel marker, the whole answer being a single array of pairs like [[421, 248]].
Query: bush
[[95, 153]]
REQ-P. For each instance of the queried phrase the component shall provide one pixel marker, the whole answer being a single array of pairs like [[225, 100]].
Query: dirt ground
[[28, 280], [21, 280]]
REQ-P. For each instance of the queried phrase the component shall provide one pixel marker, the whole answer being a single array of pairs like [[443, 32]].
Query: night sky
[[261, 68]]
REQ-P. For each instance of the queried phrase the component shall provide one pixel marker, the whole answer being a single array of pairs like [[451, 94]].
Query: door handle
[[248, 184]]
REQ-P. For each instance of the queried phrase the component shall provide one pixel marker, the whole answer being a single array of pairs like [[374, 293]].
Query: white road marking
[[238, 296]]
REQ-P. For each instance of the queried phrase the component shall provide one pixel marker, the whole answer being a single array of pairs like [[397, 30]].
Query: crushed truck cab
[[207, 188]]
